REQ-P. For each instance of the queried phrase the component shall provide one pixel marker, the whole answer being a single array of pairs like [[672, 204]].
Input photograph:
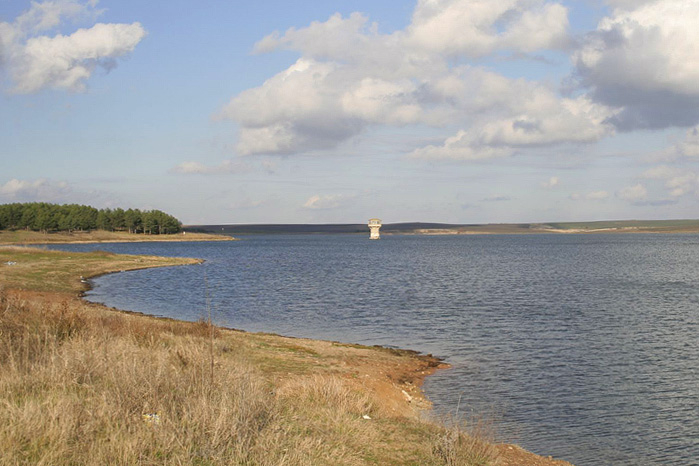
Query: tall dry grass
[[77, 392], [464, 441], [84, 387]]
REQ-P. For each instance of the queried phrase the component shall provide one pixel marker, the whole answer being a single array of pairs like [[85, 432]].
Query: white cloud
[[350, 78], [55, 191], [298, 109], [591, 196], [269, 166], [633, 193], [36, 61], [196, 168], [379, 101], [678, 182], [329, 39], [661, 172], [496, 199], [597, 195], [627, 4], [245, 203], [476, 28], [44, 16], [465, 145], [330, 201], [545, 120], [190, 167], [470, 28], [551, 183], [36, 190], [688, 148], [644, 58], [549, 120]]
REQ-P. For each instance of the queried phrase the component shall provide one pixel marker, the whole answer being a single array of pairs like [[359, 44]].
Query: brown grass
[[76, 393], [466, 441], [77, 381]]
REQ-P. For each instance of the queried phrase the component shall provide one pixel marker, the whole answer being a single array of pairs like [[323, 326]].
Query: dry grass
[[466, 442], [77, 381], [75, 392]]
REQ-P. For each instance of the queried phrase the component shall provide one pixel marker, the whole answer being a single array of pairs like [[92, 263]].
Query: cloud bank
[[638, 69], [351, 78]]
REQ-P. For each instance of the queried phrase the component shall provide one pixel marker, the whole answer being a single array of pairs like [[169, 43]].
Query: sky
[[456, 111]]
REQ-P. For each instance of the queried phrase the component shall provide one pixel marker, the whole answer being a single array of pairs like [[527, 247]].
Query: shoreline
[[511, 454], [429, 364], [410, 380], [28, 238], [391, 378]]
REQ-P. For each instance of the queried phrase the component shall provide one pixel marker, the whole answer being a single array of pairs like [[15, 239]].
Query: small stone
[[153, 419]]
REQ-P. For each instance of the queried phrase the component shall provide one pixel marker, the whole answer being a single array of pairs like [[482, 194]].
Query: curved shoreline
[[411, 380], [427, 364], [390, 377]]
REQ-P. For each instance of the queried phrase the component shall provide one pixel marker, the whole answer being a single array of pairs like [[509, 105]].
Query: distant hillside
[[612, 226], [640, 225]]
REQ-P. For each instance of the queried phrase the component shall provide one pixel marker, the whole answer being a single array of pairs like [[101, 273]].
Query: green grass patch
[[43, 270]]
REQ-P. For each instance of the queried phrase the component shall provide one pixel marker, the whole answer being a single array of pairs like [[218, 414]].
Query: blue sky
[[464, 111]]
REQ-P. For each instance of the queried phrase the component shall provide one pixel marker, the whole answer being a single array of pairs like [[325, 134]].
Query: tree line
[[45, 217]]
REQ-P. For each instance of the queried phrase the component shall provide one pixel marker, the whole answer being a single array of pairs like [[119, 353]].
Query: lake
[[584, 347]]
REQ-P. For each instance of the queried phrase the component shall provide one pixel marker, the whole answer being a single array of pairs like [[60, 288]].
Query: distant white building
[[374, 225]]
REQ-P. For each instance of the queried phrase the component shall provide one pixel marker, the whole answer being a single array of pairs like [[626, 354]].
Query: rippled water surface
[[583, 347]]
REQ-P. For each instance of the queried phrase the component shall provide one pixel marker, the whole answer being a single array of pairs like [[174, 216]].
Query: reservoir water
[[584, 347]]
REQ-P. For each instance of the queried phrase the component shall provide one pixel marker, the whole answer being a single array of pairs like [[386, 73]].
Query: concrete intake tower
[[374, 225]]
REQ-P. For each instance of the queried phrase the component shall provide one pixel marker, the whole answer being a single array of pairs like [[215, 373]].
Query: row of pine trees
[[45, 217]]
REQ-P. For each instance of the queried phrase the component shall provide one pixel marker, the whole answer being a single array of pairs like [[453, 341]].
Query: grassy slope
[[44, 270], [98, 236], [78, 379]]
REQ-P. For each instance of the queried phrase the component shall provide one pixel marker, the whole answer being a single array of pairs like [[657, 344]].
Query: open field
[[85, 384], [98, 236]]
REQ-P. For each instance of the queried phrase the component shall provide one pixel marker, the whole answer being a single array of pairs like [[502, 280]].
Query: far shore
[[8, 237], [423, 228]]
